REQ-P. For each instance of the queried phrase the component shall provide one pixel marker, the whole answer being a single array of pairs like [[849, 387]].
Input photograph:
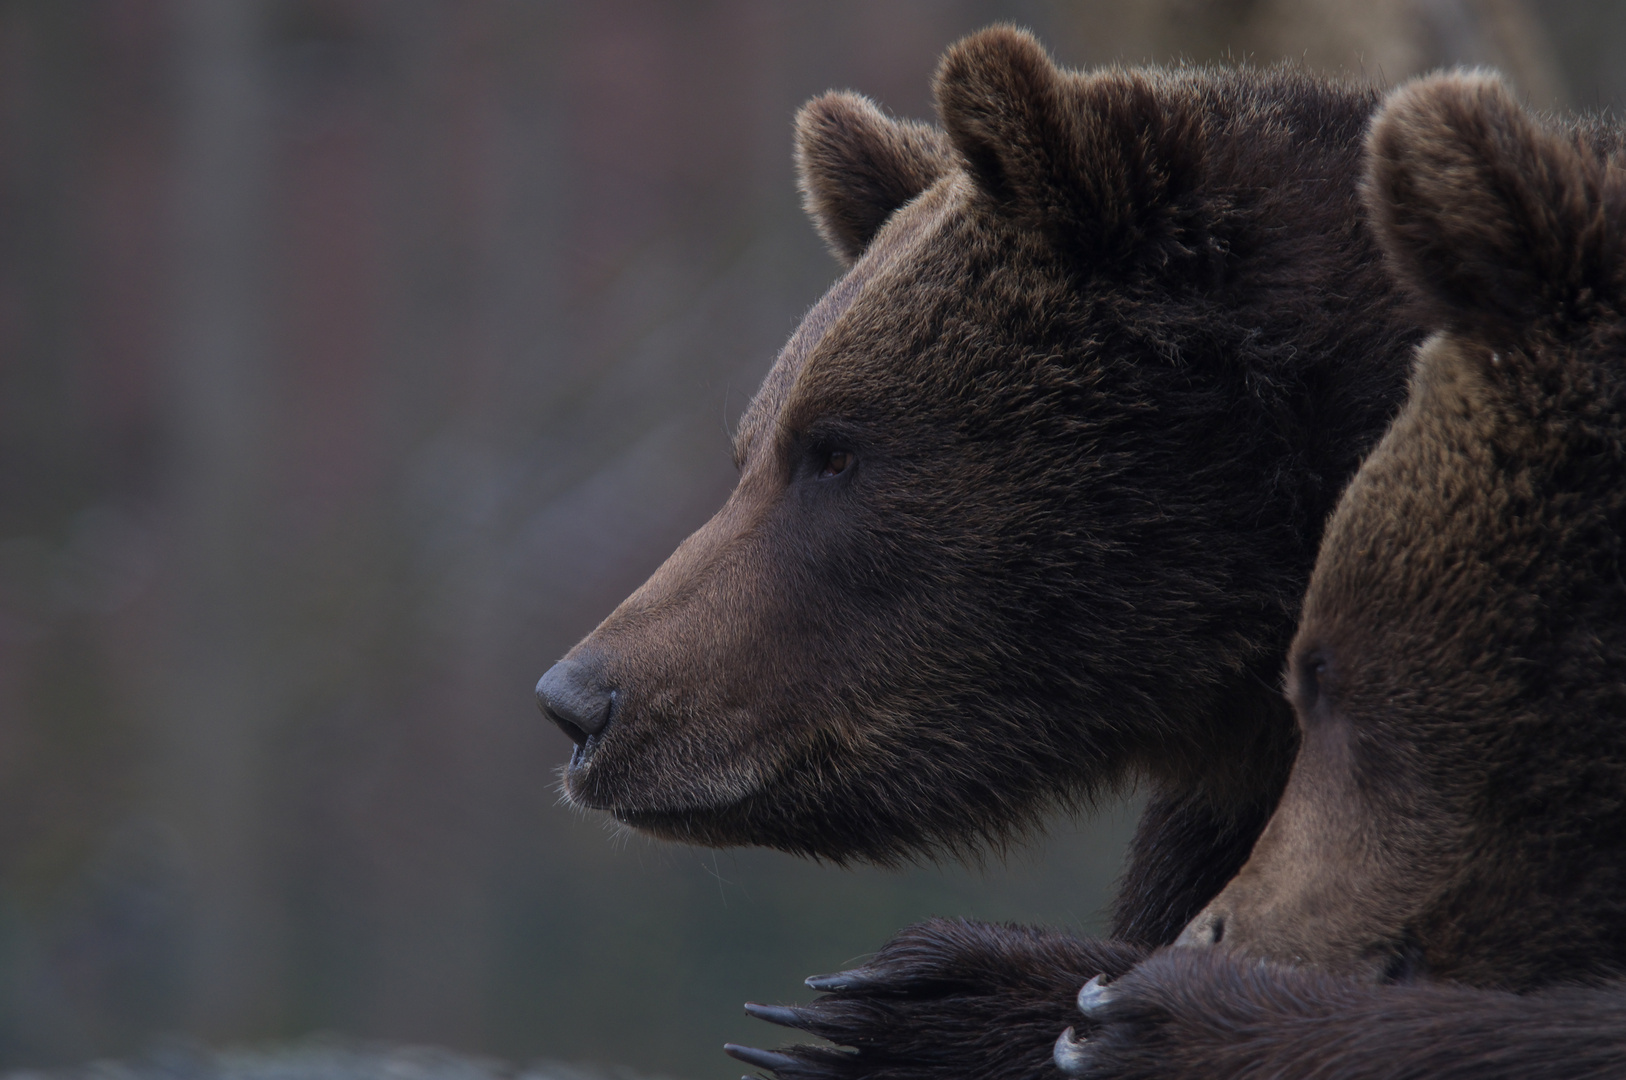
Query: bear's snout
[[573, 695], [1206, 930]]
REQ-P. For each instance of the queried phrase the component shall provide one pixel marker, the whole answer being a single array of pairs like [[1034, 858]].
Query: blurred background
[[356, 358]]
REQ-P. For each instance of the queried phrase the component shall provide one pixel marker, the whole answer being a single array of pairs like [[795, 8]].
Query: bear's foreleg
[[1195, 1014]]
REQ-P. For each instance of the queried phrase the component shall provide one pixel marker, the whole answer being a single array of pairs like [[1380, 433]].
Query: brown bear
[[1457, 809], [1026, 507]]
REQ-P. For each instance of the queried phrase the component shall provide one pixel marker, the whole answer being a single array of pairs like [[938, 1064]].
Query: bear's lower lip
[[576, 789], [687, 826], [635, 808], [580, 786]]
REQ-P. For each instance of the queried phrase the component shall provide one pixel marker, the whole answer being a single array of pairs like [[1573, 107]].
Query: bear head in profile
[[1027, 501]]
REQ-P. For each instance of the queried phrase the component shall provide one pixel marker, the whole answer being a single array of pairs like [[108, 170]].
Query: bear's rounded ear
[[1492, 219], [1103, 162], [855, 166]]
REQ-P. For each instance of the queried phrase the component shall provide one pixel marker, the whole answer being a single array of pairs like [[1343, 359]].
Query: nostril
[[1203, 932], [573, 696], [577, 735]]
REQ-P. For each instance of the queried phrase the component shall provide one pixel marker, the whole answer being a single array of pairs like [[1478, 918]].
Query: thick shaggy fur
[[1090, 466], [1028, 501], [1458, 807]]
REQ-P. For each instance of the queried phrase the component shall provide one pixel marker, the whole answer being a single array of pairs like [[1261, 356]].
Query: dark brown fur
[[1458, 807], [857, 167], [1190, 1014], [1460, 670], [1101, 394], [1101, 376]]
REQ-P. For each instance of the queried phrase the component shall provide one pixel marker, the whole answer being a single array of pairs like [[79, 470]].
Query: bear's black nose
[[574, 698]]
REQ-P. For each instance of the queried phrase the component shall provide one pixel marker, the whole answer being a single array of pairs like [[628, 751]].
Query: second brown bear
[[1447, 869]]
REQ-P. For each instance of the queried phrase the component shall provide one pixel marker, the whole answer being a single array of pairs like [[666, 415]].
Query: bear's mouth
[[712, 826], [649, 782], [584, 746], [683, 823], [574, 781]]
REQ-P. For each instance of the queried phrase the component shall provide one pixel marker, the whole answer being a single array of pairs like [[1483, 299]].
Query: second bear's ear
[[855, 166], [1103, 163], [1490, 217]]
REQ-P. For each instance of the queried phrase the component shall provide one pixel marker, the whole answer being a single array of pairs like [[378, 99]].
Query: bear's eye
[[836, 462], [1312, 672]]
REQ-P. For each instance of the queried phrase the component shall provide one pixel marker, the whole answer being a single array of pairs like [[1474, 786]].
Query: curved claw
[[783, 1015], [762, 1059], [1094, 996], [1071, 1055], [852, 979]]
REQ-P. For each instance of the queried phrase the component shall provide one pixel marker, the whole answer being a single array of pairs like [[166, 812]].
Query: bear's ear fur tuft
[[1103, 162], [1493, 220], [855, 166]]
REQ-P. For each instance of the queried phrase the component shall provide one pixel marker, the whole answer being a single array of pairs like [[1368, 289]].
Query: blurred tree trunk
[[220, 695]]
